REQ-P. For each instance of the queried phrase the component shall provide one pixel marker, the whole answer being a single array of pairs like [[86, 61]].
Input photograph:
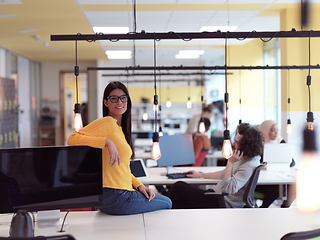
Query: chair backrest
[[201, 158], [248, 196]]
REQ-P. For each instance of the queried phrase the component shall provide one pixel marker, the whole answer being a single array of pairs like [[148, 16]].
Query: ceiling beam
[[186, 36]]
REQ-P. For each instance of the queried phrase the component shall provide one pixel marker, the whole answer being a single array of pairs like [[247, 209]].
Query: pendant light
[[168, 103], [289, 127], [155, 149], [145, 114], [309, 114], [202, 127], [77, 120], [189, 103], [240, 121], [226, 147], [160, 128], [308, 199]]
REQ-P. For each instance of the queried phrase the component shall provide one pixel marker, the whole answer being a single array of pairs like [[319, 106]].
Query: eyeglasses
[[115, 99]]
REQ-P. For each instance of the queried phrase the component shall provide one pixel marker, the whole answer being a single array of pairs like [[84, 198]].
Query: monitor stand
[[49, 218], [169, 169]]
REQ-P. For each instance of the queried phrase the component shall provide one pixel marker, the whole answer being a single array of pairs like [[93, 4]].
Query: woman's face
[[117, 106], [273, 133]]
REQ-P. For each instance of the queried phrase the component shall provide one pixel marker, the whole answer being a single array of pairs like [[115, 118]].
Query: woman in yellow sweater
[[123, 194]]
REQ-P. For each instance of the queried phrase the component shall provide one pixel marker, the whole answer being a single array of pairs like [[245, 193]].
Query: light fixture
[[189, 103], [308, 177], [77, 120], [168, 103], [218, 28], [189, 54], [289, 127], [119, 54], [309, 114], [145, 116], [155, 148], [201, 127], [226, 147]]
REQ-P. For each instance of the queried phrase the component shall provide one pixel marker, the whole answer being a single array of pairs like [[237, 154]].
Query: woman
[[112, 134], [200, 140], [247, 149], [270, 193]]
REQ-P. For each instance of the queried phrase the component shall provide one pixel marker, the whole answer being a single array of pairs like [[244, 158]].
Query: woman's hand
[[146, 192], [114, 154]]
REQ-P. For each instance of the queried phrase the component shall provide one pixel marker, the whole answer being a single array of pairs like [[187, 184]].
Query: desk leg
[[283, 192]]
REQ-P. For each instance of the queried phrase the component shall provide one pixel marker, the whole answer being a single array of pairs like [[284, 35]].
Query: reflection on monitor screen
[[47, 178], [176, 150]]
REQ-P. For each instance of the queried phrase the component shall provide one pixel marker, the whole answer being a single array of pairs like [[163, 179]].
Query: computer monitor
[[176, 150], [49, 178], [216, 142]]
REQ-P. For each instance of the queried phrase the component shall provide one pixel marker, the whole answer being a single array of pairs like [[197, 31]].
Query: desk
[[204, 224], [267, 177], [281, 177]]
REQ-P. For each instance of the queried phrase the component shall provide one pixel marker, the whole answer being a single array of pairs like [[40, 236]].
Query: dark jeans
[[186, 196]]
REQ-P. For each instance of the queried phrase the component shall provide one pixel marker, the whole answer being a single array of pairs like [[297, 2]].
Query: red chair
[[201, 158]]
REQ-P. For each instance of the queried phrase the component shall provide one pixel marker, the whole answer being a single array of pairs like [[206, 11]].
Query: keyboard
[[177, 175]]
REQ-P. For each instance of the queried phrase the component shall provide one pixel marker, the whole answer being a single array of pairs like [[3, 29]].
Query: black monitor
[[216, 142], [176, 150], [50, 178]]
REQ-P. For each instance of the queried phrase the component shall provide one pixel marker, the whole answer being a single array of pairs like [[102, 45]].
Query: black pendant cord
[[226, 97], [289, 100], [76, 70], [155, 83], [240, 96], [309, 76]]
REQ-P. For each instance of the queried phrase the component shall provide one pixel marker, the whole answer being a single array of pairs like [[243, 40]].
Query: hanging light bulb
[[77, 120], [160, 132], [226, 147], [168, 103], [145, 116], [310, 120], [189, 103], [308, 175], [202, 127], [289, 127], [155, 108], [155, 149]]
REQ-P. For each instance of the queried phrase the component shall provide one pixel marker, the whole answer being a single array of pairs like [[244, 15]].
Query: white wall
[[24, 101], [50, 82]]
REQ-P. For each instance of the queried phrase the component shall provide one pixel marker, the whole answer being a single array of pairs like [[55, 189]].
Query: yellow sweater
[[95, 135]]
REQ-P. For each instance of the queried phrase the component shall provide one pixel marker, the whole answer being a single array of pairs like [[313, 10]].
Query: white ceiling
[[48, 17]]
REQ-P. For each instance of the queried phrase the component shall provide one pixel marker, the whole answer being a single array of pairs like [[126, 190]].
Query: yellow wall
[[249, 54], [176, 94], [295, 52]]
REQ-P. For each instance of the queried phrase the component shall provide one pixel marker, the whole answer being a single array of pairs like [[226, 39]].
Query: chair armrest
[[218, 196]]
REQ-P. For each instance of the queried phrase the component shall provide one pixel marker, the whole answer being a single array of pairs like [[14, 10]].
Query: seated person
[[269, 193], [207, 112], [200, 140], [247, 149]]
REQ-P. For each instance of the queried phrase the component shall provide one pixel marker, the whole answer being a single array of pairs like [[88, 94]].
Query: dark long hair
[[251, 142], [126, 117]]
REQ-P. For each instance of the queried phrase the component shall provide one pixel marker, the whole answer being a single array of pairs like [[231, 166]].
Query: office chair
[[248, 196], [201, 158], [58, 237]]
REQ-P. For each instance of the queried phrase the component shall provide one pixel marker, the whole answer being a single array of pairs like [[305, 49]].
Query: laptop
[[138, 168], [277, 153]]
